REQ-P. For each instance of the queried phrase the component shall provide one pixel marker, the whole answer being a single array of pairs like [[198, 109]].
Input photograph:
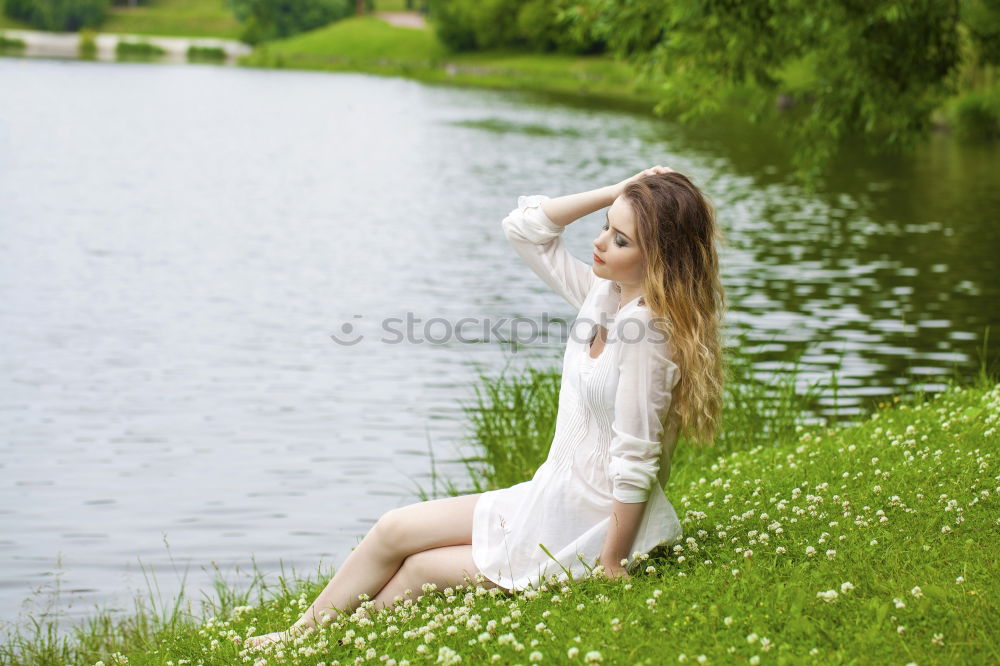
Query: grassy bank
[[868, 543], [370, 45], [188, 18]]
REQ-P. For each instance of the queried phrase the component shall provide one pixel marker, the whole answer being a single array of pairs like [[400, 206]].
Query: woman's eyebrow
[[607, 216]]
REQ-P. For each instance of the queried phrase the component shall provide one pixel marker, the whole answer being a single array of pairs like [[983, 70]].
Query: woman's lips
[[597, 259]]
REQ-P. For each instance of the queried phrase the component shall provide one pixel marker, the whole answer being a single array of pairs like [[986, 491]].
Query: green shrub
[[982, 19], [976, 115], [61, 15], [88, 43], [10, 43], [452, 22], [536, 25], [140, 49], [265, 20], [205, 53]]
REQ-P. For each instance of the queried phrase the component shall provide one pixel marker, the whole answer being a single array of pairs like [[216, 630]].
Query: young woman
[[643, 364]]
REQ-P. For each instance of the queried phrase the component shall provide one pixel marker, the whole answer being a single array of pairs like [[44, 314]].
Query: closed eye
[[619, 241]]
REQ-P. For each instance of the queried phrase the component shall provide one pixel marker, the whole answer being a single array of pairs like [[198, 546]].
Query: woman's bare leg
[[398, 534], [446, 566]]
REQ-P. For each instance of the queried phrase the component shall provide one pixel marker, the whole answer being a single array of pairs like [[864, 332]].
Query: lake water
[[179, 244]]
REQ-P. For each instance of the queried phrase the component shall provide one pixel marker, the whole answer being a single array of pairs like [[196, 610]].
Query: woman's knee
[[389, 532]]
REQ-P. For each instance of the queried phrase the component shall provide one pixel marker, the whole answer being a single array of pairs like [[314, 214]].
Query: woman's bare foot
[[256, 642]]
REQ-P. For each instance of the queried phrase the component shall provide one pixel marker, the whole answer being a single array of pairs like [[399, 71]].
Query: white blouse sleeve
[[646, 381], [538, 240]]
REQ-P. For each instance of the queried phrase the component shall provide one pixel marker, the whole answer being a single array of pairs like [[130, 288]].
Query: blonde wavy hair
[[676, 234]]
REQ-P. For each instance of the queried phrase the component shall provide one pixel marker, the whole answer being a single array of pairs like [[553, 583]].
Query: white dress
[[609, 442]]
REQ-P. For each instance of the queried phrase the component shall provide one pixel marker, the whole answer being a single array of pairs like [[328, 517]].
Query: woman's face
[[616, 254]]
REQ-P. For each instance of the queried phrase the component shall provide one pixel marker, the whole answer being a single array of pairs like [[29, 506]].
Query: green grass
[[12, 24], [187, 18], [804, 543], [367, 44]]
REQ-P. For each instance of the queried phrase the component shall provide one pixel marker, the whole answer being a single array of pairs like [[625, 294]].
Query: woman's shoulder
[[638, 328]]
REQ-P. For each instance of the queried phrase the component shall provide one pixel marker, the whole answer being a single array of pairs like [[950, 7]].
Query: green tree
[[538, 25], [982, 18], [273, 19], [62, 15], [875, 68]]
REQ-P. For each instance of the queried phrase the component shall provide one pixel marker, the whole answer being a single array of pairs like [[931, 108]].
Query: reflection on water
[[179, 244]]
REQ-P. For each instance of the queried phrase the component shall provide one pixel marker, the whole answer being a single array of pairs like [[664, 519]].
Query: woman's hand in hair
[[651, 171]]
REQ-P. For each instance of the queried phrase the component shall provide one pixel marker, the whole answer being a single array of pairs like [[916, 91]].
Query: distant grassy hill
[[194, 18], [368, 44]]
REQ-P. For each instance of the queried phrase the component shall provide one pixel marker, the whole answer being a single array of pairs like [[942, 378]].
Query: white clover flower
[[846, 586], [830, 554], [752, 638], [572, 652], [728, 621], [754, 660], [917, 592], [535, 656], [899, 602], [593, 657], [810, 551], [960, 579]]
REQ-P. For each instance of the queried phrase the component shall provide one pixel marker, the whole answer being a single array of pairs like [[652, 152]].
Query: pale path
[[67, 44], [403, 19]]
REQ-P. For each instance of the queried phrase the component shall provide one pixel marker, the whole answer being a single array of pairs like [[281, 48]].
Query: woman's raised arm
[[537, 238], [571, 207]]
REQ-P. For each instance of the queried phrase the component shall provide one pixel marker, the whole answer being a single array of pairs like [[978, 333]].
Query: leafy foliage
[[264, 20], [982, 18], [61, 15], [539, 25], [878, 67]]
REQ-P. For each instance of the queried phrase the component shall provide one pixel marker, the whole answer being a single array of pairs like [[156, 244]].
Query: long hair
[[676, 230]]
